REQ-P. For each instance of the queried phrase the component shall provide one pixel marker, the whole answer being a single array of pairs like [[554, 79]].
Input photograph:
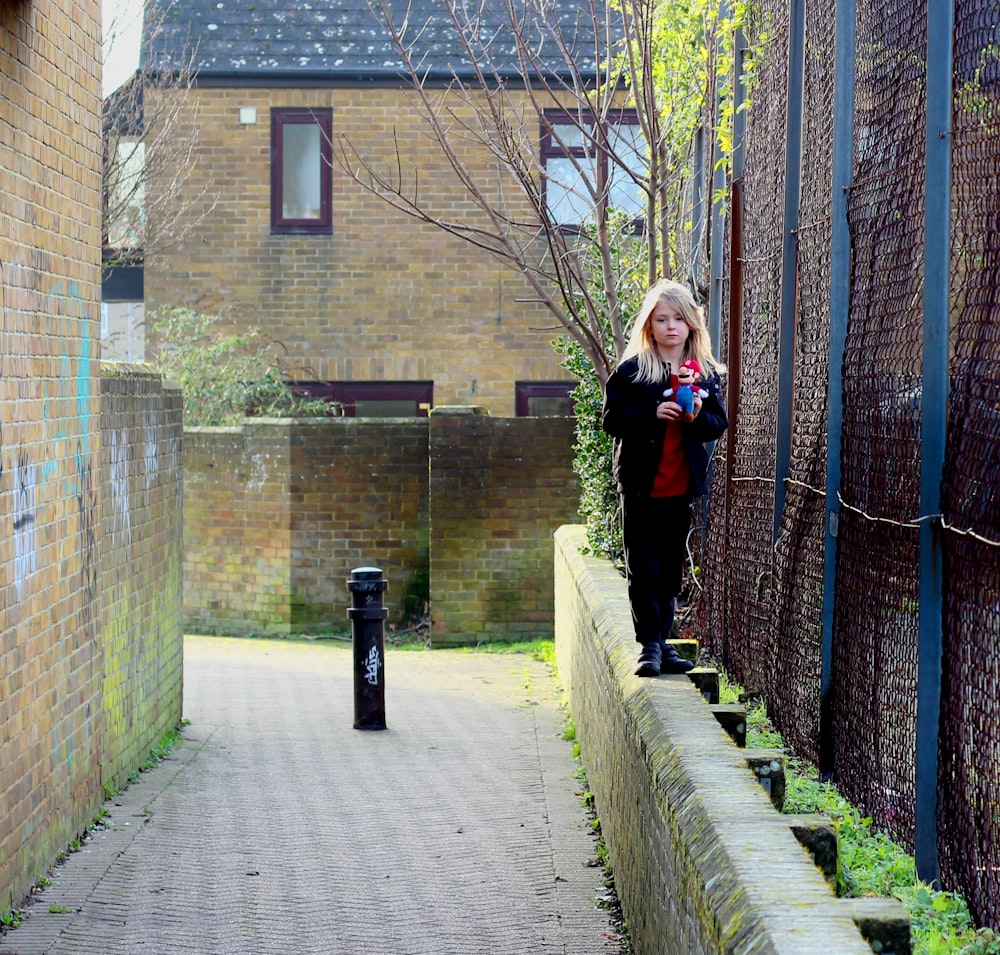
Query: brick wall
[[74, 711], [237, 537], [458, 509], [92, 653], [277, 514], [50, 668], [384, 298], [141, 566], [499, 487], [359, 499]]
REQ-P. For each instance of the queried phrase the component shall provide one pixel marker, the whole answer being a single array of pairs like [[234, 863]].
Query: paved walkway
[[275, 827]]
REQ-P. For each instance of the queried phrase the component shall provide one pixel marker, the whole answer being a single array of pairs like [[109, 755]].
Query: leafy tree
[[226, 376]]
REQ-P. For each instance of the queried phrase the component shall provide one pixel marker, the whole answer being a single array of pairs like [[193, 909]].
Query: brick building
[[386, 313]]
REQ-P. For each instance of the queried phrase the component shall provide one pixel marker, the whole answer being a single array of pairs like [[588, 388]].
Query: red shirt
[[673, 476]]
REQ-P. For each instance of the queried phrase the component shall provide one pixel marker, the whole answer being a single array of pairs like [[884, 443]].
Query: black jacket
[[630, 418]]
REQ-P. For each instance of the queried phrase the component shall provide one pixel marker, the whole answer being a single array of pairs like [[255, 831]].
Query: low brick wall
[[237, 532], [278, 513], [92, 648], [457, 509], [703, 862], [359, 499], [140, 566], [499, 487]]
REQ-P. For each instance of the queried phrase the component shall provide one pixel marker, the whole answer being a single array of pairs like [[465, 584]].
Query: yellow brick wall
[[50, 262], [141, 566], [384, 297], [59, 744], [278, 513], [492, 517]]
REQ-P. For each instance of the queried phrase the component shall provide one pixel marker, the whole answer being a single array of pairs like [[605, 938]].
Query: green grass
[[542, 650], [870, 863]]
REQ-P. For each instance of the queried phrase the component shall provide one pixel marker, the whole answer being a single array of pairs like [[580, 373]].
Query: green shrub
[[592, 457], [226, 376], [593, 448]]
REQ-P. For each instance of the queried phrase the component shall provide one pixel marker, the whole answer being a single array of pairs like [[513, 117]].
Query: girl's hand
[[697, 404], [668, 411]]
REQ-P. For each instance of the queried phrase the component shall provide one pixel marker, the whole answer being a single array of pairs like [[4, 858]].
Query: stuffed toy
[[687, 378]]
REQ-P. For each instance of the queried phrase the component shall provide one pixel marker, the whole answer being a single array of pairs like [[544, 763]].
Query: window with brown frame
[[544, 399], [301, 176], [373, 399], [576, 167]]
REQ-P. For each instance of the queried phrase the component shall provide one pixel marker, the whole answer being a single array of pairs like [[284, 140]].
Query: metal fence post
[[699, 215], [840, 303], [934, 423], [733, 354], [717, 228], [367, 615], [789, 257]]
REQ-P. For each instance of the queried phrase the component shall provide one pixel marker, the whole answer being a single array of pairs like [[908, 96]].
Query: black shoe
[[672, 662], [649, 660]]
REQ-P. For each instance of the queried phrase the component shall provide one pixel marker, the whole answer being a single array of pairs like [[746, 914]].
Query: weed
[[527, 683], [760, 733], [13, 918], [160, 751], [569, 729], [608, 900], [59, 909]]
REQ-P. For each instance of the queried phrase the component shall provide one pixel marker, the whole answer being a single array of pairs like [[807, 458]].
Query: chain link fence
[[762, 607]]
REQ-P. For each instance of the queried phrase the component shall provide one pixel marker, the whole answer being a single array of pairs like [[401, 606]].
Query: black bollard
[[367, 613]]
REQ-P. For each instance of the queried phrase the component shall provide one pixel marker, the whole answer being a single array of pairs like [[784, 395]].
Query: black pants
[[654, 532]]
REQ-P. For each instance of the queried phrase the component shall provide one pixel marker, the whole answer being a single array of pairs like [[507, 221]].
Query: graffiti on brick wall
[[45, 446], [152, 451], [121, 517], [86, 506], [25, 526]]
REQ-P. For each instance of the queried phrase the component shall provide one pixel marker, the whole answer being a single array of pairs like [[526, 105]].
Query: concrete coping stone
[[459, 410]]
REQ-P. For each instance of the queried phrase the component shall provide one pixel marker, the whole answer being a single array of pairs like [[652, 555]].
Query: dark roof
[[122, 110], [278, 42]]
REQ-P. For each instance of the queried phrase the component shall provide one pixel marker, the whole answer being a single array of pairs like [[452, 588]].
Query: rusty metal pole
[[367, 615]]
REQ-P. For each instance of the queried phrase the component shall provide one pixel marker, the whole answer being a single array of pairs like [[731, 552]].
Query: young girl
[[660, 461]]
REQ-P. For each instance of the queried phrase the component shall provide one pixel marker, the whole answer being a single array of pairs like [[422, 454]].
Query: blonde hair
[[698, 345]]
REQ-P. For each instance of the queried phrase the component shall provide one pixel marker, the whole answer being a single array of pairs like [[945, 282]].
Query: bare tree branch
[[150, 145], [525, 74]]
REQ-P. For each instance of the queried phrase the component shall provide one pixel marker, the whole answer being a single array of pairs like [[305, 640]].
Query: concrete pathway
[[275, 827]]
